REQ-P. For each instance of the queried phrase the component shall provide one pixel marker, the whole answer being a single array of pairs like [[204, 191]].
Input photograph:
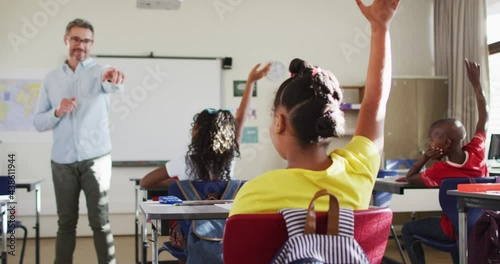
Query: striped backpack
[[305, 246]]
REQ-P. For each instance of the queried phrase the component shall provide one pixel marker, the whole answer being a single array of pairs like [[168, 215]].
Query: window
[[493, 32]]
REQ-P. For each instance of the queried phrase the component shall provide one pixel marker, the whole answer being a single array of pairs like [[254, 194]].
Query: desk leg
[[154, 237], [37, 223], [144, 232], [3, 211], [136, 227], [462, 231]]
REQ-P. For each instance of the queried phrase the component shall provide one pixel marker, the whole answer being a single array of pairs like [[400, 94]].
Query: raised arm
[[254, 75], [474, 73], [371, 118]]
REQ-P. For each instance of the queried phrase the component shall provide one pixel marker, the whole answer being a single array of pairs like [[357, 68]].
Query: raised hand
[[257, 74], [380, 12], [473, 72], [67, 105], [113, 75]]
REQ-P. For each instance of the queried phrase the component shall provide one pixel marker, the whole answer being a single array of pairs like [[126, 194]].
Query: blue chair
[[205, 189], [4, 190], [449, 205], [399, 164], [18, 224]]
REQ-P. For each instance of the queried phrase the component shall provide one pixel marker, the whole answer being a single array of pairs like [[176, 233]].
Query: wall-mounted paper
[[239, 87], [250, 135], [18, 99]]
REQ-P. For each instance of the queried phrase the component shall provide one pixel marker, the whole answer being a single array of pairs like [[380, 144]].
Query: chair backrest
[[449, 203], [398, 164], [256, 238], [4, 185], [383, 199], [203, 188]]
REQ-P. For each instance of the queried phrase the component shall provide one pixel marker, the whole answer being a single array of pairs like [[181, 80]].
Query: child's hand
[[380, 12], [401, 179], [257, 74], [434, 153], [473, 72]]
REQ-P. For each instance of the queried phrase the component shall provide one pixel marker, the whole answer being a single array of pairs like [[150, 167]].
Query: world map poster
[[18, 99]]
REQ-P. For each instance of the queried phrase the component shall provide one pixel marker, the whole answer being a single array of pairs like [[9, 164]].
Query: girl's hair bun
[[298, 66]]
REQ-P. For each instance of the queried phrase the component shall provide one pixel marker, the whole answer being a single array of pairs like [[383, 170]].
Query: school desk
[[141, 195], [471, 200], [390, 185], [494, 171], [155, 212], [30, 185], [411, 203]]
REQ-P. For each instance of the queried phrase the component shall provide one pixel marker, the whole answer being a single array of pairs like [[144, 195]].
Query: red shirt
[[473, 166]]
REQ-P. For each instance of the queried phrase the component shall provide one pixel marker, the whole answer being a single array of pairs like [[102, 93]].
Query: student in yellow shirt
[[307, 114]]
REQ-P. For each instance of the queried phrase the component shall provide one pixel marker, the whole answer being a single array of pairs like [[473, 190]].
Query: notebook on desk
[[479, 187]]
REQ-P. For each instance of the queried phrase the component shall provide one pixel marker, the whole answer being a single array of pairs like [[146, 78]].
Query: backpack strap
[[188, 190], [295, 220], [232, 188]]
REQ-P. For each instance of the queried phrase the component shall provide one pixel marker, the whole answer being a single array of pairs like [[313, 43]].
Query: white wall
[[327, 33]]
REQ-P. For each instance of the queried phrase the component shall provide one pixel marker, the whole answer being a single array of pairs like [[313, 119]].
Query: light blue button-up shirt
[[84, 132]]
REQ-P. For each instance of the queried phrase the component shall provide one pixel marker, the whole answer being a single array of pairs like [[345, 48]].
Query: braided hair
[[213, 145], [312, 98]]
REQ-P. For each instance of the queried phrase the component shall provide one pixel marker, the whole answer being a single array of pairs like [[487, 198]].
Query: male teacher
[[74, 103]]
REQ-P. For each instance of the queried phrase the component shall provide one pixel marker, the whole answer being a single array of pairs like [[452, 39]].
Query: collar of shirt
[[83, 64]]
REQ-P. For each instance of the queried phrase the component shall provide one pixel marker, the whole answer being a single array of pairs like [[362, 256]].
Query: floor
[[125, 253]]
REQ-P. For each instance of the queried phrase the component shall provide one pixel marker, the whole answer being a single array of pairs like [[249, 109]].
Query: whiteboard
[[151, 120]]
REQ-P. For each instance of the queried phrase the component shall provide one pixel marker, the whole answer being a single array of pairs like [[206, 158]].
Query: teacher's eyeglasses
[[77, 41]]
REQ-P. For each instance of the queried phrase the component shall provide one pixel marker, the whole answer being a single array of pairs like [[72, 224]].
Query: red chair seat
[[255, 238]]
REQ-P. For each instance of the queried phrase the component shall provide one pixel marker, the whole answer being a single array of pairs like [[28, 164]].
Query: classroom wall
[[331, 34]]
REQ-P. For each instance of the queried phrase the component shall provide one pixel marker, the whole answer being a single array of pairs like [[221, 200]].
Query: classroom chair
[[4, 183], [255, 238], [204, 188], [383, 199], [18, 225], [449, 205]]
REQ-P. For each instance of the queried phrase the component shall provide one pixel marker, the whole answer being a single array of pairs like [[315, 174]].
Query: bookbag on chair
[[305, 246], [484, 242], [204, 239]]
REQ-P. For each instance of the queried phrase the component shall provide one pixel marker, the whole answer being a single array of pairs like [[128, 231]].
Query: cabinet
[[353, 96], [414, 104]]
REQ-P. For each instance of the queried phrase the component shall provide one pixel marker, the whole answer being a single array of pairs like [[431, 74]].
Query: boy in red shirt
[[446, 139]]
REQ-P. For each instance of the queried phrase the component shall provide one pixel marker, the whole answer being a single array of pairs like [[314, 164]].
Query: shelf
[[350, 106], [360, 88]]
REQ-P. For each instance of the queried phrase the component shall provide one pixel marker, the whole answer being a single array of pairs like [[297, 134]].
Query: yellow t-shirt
[[350, 177]]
